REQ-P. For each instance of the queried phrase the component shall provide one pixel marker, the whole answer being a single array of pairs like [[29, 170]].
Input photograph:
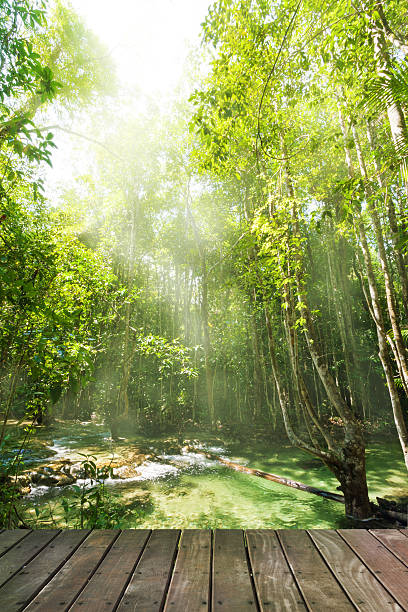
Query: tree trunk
[[349, 458], [123, 399], [398, 342], [373, 302], [392, 218], [257, 372], [351, 473], [394, 111], [209, 374]]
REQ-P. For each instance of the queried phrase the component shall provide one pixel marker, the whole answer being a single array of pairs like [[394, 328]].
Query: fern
[[384, 91], [388, 89]]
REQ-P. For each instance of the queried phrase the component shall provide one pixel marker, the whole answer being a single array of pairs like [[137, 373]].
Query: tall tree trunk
[[209, 375], [399, 256], [373, 302], [344, 324], [317, 355], [347, 462], [397, 343], [123, 398], [395, 113], [257, 376]]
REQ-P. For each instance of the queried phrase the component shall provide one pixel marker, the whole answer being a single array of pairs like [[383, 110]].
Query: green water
[[202, 494]]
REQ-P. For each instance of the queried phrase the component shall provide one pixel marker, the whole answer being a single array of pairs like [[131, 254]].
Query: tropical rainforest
[[228, 276]]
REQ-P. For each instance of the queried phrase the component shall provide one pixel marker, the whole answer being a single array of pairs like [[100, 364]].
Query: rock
[[137, 458], [23, 480], [35, 477], [77, 470], [65, 479], [63, 465], [126, 471], [103, 470], [47, 476], [386, 504], [47, 480], [117, 468], [65, 471], [21, 484]]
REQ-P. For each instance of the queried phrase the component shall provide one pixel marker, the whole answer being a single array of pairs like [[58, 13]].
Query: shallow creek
[[187, 490]]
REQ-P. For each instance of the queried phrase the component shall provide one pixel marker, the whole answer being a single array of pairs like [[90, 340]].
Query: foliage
[[91, 505], [10, 490]]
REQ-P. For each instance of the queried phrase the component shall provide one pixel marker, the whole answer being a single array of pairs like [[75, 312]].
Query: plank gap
[[282, 548], [251, 574]]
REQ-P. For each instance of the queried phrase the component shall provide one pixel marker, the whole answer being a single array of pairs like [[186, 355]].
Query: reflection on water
[[189, 490]]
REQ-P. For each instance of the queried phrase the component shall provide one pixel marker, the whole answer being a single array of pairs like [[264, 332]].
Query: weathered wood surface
[[147, 588], [114, 573], [9, 538], [226, 570], [362, 587], [190, 583], [395, 541], [306, 563], [232, 587], [20, 589], [388, 569], [62, 590], [275, 583], [21, 554]]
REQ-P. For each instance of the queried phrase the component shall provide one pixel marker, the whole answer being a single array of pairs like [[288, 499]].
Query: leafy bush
[[92, 506]]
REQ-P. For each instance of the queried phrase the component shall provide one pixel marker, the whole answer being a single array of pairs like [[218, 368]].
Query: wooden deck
[[224, 570]]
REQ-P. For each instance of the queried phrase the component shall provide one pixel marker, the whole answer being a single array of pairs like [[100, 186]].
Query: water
[[189, 490]]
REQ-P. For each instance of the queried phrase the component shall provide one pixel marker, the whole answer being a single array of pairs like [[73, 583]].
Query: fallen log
[[386, 513], [279, 479], [388, 508]]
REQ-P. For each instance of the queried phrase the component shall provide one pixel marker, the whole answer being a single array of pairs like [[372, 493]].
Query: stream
[[180, 489]]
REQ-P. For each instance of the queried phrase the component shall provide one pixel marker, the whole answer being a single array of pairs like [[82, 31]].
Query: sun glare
[[148, 39]]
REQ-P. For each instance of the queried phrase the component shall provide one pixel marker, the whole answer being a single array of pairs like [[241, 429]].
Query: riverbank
[[163, 485]]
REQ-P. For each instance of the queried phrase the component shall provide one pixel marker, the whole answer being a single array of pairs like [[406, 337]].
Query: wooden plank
[[108, 583], [64, 587], [24, 585], [319, 588], [360, 584], [23, 552], [394, 540], [386, 567], [231, 585], [148, 585], [190, 584], [9, 537], [274, 582]]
